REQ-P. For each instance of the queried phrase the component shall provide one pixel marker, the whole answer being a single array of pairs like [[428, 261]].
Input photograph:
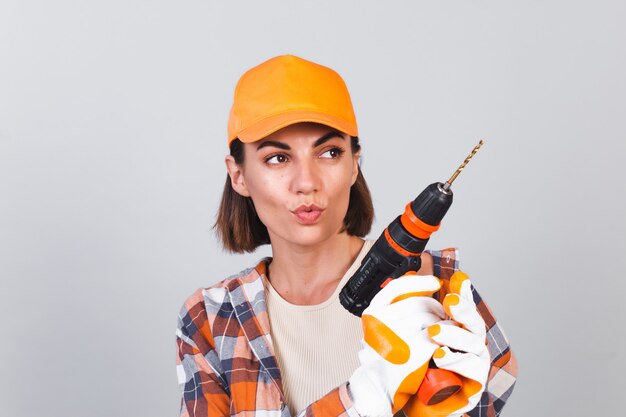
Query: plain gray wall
[[112, 137]]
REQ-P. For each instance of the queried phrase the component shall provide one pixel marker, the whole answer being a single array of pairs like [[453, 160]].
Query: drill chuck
[[432, 204]]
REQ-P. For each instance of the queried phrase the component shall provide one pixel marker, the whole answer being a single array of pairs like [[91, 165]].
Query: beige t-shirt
[[316, 345]]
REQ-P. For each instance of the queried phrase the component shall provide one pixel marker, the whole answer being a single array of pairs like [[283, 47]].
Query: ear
[[355, 166], [237, 180]]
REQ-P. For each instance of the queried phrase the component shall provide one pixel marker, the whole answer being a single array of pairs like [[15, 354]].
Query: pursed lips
[[307, 214]]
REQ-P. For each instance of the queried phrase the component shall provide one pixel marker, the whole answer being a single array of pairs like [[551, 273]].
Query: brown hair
[[241, 230]]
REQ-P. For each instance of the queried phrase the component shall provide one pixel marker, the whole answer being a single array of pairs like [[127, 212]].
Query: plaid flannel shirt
[[226, 363]]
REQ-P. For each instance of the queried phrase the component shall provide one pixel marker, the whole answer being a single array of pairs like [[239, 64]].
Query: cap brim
[[271, 124]]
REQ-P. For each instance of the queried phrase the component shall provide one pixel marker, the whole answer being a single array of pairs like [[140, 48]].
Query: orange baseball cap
[[285, 90]]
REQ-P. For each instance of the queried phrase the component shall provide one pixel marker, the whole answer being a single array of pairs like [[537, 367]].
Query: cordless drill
[[397, 252]]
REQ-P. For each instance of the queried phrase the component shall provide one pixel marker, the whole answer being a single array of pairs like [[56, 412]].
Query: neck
[[309, 275]]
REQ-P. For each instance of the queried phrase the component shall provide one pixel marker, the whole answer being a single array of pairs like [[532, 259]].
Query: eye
[[276, 159], [333, 153]]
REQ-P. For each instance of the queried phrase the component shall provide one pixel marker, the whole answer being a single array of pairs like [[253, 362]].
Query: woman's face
[[299, 179]]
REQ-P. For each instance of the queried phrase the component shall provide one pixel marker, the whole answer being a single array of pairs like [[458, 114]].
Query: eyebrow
[[282, 145]]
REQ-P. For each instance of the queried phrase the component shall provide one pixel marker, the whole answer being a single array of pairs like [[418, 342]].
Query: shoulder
[[445, 262], [209, 302]]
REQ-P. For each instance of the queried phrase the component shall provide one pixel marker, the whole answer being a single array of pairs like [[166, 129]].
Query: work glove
[[396, 346], [463, 350]]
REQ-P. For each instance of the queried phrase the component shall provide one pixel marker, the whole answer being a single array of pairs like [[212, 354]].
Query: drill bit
[[448, 183]]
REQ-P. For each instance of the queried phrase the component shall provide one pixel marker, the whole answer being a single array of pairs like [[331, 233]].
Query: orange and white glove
[[396, 346], [463, 351]]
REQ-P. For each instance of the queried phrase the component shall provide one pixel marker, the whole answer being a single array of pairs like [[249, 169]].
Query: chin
[[309, 235]]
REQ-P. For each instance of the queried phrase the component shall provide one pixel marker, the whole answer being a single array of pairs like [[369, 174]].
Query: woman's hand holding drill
[[396, 346], [404, 327], [463, 351]]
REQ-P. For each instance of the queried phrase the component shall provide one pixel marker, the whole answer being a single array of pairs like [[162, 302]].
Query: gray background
[[112, 136]]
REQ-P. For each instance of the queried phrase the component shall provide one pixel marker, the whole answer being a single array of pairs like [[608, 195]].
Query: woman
[[274, 339]]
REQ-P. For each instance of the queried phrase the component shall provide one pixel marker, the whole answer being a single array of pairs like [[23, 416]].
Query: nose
[[306, 178]]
